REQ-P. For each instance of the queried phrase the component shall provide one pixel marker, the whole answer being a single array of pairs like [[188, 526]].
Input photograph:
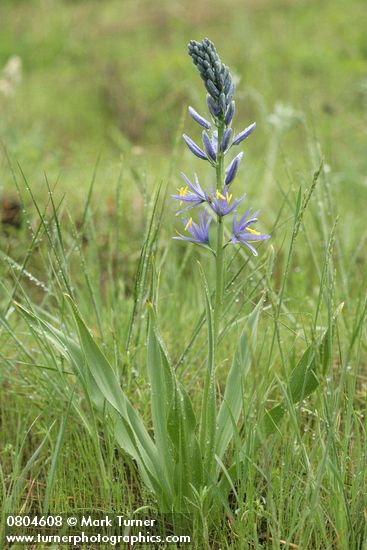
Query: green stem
[[219, 280], [219, 283], [208, 414]]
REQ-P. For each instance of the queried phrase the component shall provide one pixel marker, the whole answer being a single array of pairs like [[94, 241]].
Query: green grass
[[99, 110]]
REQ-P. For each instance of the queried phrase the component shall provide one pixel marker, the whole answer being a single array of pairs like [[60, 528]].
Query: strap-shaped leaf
[[173, 417], [70, 350], [304, 379], [129, 427], [107, 382], [231, 406], [310, 369], [188, 470], [302, 382], [307, 374], [208, 407], [269, 423], [163, 389]]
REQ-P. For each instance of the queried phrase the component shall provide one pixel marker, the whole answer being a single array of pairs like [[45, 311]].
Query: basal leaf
[[231, 406], [163, 389], [173, 417]]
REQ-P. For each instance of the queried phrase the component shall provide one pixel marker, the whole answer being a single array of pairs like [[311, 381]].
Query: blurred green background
[[111, 80], [103, 76]]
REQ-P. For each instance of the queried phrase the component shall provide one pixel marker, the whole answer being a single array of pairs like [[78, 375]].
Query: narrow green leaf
[[304, 379], [19, 475], [313, 365], [231, 406], [133, 428], [188, 469], [208, 408], [69, 349], [163, 390], [173, 417], [269, 423], [90, 362]]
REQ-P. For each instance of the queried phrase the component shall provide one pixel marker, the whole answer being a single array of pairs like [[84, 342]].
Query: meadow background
[[93, 99]]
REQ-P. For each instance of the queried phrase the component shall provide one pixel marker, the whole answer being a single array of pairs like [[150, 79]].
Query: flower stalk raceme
[[217, 142]]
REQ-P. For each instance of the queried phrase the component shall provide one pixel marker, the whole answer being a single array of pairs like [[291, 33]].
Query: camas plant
[[187, 460], [216, 144]]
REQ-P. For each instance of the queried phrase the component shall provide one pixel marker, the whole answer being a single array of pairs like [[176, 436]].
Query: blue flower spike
[[218, 139]]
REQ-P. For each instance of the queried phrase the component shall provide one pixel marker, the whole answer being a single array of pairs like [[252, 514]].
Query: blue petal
[[252, 248], [229, 113], [231, 171], [194, 148], [209, 146], [212, 89], [199, 119], [212, 106], [226, 140], [195, 188], [244, 134]]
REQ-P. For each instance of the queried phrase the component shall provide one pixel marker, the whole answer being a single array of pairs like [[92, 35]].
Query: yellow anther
[[189, 224], [219, 195], [228, 197], [182, 192], [253, 231]]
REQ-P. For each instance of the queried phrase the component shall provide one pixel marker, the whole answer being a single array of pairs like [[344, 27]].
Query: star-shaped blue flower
[[243, 233], [221, 202], [199, 231], [193, 197]]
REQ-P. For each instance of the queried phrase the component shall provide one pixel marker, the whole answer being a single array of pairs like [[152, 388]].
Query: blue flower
[[221, 202], [193, 198], [199, 119], [199, 231], [212, 106], [232, 169], [244, 134], [210, 146], [229, 114], [194, 148], [243, 233], [226, 139]]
